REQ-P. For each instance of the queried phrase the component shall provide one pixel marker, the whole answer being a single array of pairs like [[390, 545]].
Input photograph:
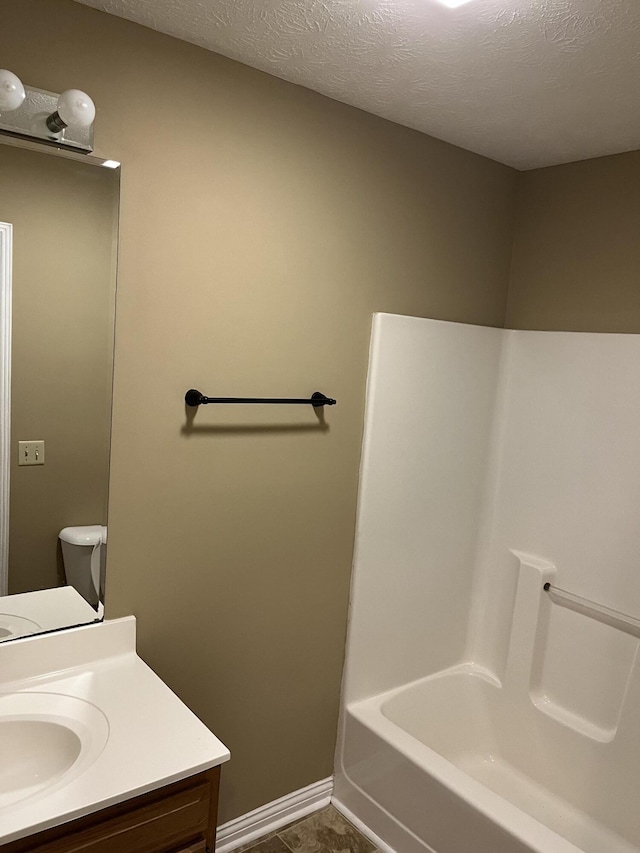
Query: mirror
[[58, 245]]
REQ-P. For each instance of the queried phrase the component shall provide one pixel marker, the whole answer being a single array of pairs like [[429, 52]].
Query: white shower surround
[[478, 714]]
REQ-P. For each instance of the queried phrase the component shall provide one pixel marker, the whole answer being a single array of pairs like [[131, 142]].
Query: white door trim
[[6, 251]]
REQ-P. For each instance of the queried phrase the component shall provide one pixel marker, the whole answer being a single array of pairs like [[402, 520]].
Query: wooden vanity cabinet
[[179, 818]]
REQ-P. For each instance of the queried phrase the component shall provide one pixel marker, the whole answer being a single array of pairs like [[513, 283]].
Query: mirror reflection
[[60, 214]]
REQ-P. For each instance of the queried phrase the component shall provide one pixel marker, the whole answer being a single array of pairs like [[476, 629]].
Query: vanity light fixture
[[12, 92], [64, 120], [75, 109]]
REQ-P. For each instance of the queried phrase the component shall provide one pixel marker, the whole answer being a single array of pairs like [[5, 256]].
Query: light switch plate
[[31, 453]]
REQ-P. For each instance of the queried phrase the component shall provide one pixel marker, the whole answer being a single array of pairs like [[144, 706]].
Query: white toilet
[[83, 553]]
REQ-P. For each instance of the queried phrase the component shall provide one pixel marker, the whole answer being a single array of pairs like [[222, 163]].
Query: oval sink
[[16, 626], [34, 753], [46, 739]]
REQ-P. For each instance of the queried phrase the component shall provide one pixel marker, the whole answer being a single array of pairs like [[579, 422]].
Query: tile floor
[[324, 831]]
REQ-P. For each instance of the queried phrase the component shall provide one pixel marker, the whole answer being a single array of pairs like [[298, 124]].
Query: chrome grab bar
[[606, 615]]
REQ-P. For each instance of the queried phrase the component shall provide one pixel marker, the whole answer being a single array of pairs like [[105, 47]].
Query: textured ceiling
[[527, 82]]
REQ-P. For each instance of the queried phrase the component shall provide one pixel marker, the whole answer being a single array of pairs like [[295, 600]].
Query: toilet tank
[[83, 550]]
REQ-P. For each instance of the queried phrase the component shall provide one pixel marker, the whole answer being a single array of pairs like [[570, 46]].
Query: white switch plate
[[31, 453]]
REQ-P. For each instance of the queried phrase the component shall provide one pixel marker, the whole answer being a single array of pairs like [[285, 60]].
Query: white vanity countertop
[[47, 609], [154, 739]]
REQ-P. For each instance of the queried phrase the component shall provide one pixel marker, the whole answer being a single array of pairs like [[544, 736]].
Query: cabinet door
[[156, 828], [196, 847], [180, 818]]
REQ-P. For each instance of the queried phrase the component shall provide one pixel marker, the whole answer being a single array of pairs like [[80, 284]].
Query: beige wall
[[64, 226], [577, 247], [261, 225]]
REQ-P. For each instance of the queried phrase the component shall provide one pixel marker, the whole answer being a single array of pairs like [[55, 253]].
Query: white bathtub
[[485, 783], [460, 762]]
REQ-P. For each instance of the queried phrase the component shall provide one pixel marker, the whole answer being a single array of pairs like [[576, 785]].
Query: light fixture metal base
[[30, 121]]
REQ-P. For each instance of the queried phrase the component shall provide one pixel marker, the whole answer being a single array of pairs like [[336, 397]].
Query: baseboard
[[381, 845], [271, 817]]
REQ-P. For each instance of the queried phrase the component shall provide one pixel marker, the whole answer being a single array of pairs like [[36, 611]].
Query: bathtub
[[463, 762], [483, 784]]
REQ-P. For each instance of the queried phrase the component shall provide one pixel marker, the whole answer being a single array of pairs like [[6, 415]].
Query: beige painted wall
[[64, 227], [261, 225], [577, 247]]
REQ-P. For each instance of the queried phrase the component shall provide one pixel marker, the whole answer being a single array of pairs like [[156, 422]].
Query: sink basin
[[46, 739], [16, 626]]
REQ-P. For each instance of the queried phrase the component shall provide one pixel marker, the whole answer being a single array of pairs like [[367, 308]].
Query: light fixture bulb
[[453, 4], [12, 92], [76, 109]]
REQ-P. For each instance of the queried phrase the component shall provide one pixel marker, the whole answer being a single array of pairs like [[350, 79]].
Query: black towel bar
[[195, 398]]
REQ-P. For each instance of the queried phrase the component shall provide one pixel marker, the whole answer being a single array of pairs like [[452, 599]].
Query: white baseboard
[[381, 845], [271, 817]]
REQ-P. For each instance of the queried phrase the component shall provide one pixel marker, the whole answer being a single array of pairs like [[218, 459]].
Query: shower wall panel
[[431, 397], [480, 442], [566, 488]]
